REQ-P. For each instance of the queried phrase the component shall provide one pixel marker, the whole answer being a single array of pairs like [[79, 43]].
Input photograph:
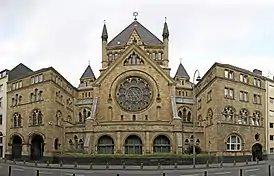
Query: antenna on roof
[[89, 62], [135, 14]]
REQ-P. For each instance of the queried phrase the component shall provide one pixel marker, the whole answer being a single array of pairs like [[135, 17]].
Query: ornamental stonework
[[134, 94]]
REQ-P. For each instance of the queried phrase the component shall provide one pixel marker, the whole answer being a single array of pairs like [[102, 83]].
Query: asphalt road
[[257, 170]]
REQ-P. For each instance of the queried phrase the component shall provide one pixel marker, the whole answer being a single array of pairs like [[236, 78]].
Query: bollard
[[107, 166], [234, 163], [207, 164], [73, 174], [164, 174], [35, 163], [269, 170], [221, 164], [14, 161], [205, 173], [117, 174], [90, 166], [37, 173], [61, 164], [175, 165], [257, 160], [246, 162], [141, 166], [47, 163], [75, 164], [9, 170], [159, 166], [24, 162], [241, 172], [124, 165]]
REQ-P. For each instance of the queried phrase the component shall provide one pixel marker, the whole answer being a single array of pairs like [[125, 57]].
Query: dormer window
[[182, 82]]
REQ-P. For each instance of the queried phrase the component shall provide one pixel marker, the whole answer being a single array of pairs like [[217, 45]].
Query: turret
[[165, 41], [104, 46], [87, 78]]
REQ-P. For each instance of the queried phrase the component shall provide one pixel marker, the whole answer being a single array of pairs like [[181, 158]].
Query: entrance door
[[16, 150], [257, 152], [37, 147]]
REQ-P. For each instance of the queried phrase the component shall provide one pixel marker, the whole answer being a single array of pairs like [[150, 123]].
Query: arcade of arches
[[36, 146], [132, 144]]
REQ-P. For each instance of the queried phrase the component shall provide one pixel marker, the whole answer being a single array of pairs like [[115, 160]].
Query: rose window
[[134, 94]]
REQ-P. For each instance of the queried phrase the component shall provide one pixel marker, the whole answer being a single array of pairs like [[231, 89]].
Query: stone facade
[[269, 113], [3, 110], [134, 106]]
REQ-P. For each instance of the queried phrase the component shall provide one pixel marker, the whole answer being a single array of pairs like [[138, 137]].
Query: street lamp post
[[194, 117]]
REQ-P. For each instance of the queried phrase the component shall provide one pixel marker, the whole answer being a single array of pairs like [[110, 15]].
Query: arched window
[[228, 114], [81, 144], [105, 145], [209, 117], [58, 118], [36, 117], [256, 120], [84, 114], [233, 143], [243, 117], [133, 59], [133, 145], [17, 119], [161, 144], [185, 114]]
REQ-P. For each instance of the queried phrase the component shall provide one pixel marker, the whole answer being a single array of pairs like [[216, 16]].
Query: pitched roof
[[181, 72], [165, 31], [88, 73], [19, 71], [146, 36]]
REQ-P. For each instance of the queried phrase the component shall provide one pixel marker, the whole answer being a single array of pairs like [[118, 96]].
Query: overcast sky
[[66, 34]]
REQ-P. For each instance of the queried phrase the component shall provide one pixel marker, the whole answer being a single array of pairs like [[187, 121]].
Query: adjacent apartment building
[[269, 122], [3, 110]]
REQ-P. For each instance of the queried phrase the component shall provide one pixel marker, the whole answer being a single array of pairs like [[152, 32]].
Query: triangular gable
[[134, 38], [19, 71], [124, 56], [147, 37]]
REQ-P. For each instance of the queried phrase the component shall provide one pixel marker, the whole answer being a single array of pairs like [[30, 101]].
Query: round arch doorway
[[37, 147], [257, 152], [16, 147]]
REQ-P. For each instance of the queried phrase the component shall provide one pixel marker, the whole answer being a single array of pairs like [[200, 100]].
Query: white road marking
[[252, 175], [222, 173], [70, 174], [251, 170], [15, 169], [46, 173]]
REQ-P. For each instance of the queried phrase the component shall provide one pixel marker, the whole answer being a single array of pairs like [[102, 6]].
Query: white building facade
[[3, 110]]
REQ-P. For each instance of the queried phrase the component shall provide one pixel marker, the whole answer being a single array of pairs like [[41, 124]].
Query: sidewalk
[[121, 167]]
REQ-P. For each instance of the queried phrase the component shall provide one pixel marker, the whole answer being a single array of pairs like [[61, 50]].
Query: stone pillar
[[147, 146], [119, 143]]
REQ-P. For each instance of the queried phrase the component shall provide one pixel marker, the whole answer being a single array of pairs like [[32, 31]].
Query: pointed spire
[[165, 30], [105, 32], [88, 73], [181, 72]]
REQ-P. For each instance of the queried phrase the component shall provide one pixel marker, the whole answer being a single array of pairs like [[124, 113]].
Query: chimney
[[259, 72]]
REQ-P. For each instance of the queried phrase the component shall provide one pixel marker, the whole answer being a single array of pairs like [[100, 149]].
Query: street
[[255, 170]]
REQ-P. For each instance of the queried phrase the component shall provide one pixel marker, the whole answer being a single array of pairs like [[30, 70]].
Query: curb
[[131, 169]]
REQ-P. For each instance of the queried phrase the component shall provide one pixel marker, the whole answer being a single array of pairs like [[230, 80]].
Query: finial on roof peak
[[181, 59], [165, 19], [89, 62], [104, 21], [135, 14]]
